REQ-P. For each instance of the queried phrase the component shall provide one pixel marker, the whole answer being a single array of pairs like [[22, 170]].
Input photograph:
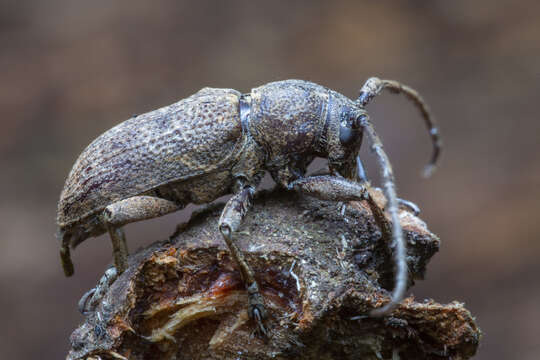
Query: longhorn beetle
[[219, 141]]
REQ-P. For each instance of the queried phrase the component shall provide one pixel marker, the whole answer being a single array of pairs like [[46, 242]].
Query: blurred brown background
[[70, 70]]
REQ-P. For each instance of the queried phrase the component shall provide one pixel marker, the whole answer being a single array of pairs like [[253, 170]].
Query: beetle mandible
[[220, 141]]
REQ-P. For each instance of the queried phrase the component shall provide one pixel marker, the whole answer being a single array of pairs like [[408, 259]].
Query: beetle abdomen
[[194, 136]]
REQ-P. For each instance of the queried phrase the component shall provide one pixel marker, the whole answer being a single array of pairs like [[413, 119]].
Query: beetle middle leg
[[229, 223], [131, 210]]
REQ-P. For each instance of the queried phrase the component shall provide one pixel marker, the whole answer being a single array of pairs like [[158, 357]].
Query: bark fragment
[[317, 269]]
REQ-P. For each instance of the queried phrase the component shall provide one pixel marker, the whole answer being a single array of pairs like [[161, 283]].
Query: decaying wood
[[320, 274]]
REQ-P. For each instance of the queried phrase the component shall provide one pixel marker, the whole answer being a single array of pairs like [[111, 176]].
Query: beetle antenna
[[374, 86], [401, 270]]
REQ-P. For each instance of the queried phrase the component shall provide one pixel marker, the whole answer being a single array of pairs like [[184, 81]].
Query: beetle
[[220, 141]]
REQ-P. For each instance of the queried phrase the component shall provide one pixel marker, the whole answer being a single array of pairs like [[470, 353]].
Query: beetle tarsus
[[255, 313], [93, 297], [409, 205], [256, 310], [83, 302]]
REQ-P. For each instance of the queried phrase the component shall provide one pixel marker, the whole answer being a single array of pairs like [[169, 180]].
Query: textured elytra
[[196, 135]]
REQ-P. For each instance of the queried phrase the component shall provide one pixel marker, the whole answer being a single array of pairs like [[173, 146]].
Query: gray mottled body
[[217, 142], [187, 152]]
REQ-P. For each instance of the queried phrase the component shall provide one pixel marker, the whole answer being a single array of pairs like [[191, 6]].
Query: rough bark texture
[[183, 298]]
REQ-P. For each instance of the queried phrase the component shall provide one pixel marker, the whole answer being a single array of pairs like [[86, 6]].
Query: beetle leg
[[65, 253], [380, 219], [340, 189], [93, 297], [377, 212], [409, 205], [229, 222], [127, 211], [406, 204], [330, 188], [120, 250]]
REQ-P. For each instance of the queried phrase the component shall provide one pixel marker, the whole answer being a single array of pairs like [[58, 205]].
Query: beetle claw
[[258, 314], [409, 205], [83, 302], [256, 310]]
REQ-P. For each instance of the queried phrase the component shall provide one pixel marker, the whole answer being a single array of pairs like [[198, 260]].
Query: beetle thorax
[[288, 119]]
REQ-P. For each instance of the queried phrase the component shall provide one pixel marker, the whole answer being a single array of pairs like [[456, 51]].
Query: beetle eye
[[350, 124], [346, 134]]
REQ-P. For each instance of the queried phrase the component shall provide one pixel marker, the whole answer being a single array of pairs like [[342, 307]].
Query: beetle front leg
[[335, 188], [330, 188], [229, 223], [130, 210], [341, 189]]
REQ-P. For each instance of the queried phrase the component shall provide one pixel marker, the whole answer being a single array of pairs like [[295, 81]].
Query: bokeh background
[[70, 70]]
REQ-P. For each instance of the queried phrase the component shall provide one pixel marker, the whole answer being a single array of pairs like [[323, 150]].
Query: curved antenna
[[374, 86], [389, 187]]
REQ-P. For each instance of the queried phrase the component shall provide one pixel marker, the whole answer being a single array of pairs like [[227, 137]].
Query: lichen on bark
[[320, 273]]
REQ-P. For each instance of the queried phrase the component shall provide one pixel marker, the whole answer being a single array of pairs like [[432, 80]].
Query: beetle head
[[344, 135]]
